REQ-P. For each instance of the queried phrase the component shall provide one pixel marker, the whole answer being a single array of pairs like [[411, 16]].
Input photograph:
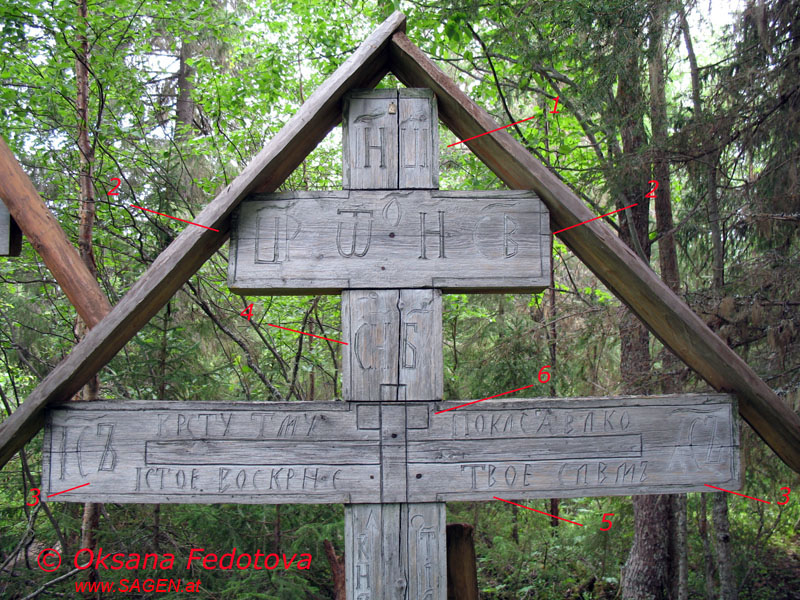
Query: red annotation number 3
[[113, 191], [785, 495], [247, 312], [607, 521], [652, 193], [36, 492]]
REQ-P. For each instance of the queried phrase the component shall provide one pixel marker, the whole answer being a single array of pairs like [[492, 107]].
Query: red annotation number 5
[[785, 495], [36, 492], [607, 521]]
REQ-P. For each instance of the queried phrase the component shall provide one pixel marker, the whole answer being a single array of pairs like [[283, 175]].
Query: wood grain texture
[[369, 140], [398, 551], [395, 345], [325, 242], [195, 245], [45, 234], [389, 452], [418, 131], [629, 278], [390, 140]]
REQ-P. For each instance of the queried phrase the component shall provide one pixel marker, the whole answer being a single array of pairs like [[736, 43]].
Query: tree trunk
[[337, 571], [668, 262], [91, 510], [708, 557], [722, 538], [645, 575]]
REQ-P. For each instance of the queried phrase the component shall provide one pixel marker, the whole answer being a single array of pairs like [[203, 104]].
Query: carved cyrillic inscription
[[388, 331], [575, 447], [314, 242], [211, 452], [390, 140]]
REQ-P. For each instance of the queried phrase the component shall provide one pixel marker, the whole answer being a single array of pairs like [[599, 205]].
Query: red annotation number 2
[[652, 192], [113, 191]]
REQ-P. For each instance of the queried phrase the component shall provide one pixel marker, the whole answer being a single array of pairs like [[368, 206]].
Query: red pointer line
[[176, 218], [311, 334], [737, 493], [539, 511], [595, 219], [492, 131], [482, 399], [69, 490]]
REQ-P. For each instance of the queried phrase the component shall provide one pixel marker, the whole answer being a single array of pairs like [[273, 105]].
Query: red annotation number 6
[[546, 374], [786, 495], [36, 492], [607, 521]]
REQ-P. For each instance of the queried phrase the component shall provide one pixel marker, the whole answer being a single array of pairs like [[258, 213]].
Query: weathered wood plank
[[418, 122], [390, 140], [456, 241], [319, 452], [394, 339], [632, 281], [369, 140], [195, 245], [205, 452], [397, 551], [23, 202]]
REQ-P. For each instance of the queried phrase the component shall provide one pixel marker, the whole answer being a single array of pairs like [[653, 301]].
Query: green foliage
[[250, 66]]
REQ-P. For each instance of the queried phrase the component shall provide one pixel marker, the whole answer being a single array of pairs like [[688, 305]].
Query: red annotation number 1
[[555, 107]]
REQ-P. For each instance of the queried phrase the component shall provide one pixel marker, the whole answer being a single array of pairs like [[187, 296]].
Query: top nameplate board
[[325, 242]]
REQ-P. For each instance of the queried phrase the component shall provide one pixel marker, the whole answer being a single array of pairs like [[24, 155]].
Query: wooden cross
[[390, 243]]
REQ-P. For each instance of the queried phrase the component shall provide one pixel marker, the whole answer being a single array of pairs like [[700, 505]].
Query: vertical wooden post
[[393, 550]]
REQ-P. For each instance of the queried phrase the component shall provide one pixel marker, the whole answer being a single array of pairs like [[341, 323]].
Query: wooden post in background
[[462, 573]]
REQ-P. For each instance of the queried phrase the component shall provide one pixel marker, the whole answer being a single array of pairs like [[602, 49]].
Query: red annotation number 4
[[247, 312]]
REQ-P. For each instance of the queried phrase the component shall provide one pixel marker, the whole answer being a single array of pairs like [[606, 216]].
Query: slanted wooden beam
[[631, 280], [184, 256], [45, 234]]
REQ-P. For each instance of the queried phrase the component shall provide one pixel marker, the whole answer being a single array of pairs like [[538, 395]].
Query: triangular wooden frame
[[388, 49]]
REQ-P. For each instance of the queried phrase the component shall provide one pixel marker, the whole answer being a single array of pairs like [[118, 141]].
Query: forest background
[[175, 98]]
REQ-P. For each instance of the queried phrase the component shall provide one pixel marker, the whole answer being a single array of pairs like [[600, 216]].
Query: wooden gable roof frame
[[388, 49]]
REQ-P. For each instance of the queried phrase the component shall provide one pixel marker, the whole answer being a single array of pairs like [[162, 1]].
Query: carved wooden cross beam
[[390, 243]]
